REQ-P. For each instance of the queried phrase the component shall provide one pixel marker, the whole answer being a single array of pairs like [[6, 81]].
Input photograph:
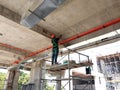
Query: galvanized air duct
[[41, 12]]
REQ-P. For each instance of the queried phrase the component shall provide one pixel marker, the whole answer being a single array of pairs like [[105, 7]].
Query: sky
[[3, 70]]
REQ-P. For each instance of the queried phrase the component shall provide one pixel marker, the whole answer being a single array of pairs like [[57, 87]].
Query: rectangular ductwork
[[41, 12]]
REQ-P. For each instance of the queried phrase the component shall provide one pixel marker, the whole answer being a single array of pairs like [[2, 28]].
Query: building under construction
[[84, 25]]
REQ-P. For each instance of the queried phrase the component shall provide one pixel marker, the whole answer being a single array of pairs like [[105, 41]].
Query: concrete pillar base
[[12, 80]]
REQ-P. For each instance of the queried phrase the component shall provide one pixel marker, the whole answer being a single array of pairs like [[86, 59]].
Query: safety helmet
[[52, 35]]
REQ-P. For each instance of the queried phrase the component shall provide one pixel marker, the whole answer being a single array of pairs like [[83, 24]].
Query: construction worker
[[55, 49]]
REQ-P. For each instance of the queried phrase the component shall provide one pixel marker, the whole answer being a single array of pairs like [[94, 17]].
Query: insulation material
[[112, 59], [117, 58], [118, 65], [106, 60], [110, 67], [41, 12], [99, 66]]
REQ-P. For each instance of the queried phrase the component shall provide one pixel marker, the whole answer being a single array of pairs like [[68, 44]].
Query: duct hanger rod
[[36, 15]]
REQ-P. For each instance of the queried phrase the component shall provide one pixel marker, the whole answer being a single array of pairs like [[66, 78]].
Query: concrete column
[[12, 79], [58, 83], [38, 73], [16, 78]]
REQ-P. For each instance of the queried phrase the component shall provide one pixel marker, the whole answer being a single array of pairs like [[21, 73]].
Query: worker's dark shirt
[[55, 42]]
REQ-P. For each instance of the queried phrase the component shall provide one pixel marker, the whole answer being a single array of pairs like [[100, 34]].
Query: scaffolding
[[68, 65], [83, 83]]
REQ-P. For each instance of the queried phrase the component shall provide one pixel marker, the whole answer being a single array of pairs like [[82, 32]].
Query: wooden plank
[[56, 68]]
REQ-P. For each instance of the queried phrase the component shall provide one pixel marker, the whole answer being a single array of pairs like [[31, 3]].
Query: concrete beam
[[4, 66], [101, 42], [17, 18], [19, 52], [9, 14], [42, 31]]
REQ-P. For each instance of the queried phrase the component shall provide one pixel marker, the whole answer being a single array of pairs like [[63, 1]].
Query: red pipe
[[16, 48], [36, 52], [92, 30], [101, 27]]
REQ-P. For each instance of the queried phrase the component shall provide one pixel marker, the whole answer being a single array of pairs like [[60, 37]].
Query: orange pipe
[[37, 52], [16, 48], [16, 62], [92, 30], [100, 27]]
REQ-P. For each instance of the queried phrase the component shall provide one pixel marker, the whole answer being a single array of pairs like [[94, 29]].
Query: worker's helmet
[[52, 35]]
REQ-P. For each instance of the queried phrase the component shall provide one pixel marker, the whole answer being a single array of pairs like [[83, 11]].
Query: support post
[[58, 83], [42, 75], [38, 74], [69, 69]]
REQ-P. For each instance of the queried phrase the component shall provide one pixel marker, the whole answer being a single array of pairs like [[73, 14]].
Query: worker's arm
[[60, 37]]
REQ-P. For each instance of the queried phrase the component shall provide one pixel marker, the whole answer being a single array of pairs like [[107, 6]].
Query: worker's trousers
[[55, 52]]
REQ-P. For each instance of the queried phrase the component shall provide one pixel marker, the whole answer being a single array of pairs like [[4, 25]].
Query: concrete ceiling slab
[[16, 35], [22, 37], [80, 15]]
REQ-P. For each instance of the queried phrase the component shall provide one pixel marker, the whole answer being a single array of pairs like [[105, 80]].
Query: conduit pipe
[[100, 27]]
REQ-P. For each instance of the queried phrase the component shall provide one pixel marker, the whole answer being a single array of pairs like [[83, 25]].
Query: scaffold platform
[[56, 68]]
